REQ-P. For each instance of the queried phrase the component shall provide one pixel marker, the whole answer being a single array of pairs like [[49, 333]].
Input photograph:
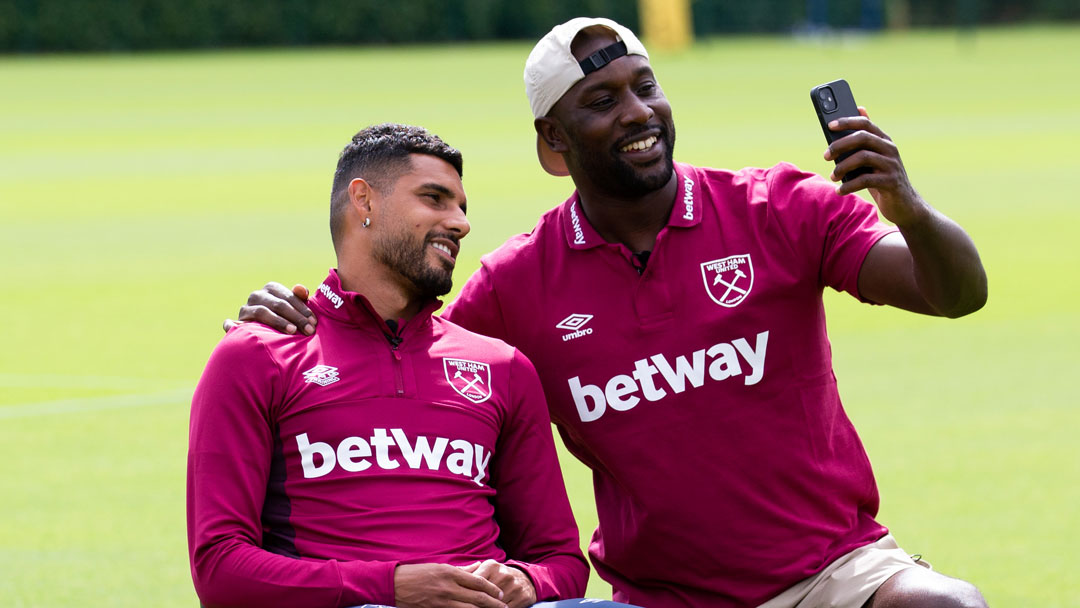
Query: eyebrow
[[441, 189]]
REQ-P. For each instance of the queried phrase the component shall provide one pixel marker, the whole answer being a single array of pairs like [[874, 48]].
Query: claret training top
[[698, 386], [318, 464]]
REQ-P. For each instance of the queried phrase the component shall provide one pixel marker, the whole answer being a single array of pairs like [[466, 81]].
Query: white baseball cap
[[551, 70]]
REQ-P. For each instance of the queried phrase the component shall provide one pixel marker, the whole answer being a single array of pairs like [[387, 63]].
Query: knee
[[918, 588], [958, 594]]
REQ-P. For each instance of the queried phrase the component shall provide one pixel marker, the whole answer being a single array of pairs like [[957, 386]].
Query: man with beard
[[394, 458], [675, 316]]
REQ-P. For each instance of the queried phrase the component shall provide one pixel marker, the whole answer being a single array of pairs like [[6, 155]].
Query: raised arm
[[932, 265]]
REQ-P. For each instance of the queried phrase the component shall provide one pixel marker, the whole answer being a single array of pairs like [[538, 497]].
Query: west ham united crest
[[470, 379], [728, 280]]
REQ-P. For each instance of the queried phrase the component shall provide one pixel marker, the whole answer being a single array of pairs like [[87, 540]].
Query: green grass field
[[143, 197]]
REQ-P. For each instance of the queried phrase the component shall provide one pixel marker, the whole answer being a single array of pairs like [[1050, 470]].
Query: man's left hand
[[888, 182], [518, 591]]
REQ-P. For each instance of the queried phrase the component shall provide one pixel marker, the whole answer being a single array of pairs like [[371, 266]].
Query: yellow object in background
[[666, 24]]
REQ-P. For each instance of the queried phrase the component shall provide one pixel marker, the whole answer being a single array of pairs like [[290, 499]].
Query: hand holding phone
[[834, 100]]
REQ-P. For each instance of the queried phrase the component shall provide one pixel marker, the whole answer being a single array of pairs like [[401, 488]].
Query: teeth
[[644, 144], [442, 248]]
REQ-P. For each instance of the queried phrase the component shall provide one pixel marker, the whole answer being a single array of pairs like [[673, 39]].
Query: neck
[[390, 296], [634, 222]]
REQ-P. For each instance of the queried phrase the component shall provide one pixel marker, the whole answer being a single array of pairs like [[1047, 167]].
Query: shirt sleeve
[[230, 449], [477, 307], [537, 527], [835, 232]]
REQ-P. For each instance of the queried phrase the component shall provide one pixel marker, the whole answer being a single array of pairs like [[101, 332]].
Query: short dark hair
[[380, 154]]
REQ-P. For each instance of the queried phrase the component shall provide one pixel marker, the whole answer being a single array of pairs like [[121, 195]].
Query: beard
[[409, 259], [621, 178]]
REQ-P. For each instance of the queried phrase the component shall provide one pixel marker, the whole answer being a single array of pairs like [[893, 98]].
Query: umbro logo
[[576, 324], [322, 375]]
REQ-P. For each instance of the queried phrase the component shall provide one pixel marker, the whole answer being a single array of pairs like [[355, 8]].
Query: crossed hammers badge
[[471, 379], [728, 280]]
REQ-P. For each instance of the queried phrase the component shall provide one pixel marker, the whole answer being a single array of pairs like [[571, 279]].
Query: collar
[[351, 308], [685, 213]]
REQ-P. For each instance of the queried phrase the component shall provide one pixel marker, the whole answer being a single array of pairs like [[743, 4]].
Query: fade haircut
[[380, 155]]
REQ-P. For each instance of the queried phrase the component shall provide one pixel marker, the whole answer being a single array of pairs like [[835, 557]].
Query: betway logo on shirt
[[654, 376], [579, 234], [325, 290], [358, 454], [688, 197]]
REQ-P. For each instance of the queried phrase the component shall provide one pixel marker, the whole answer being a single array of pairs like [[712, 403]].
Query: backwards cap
[[551, 70]]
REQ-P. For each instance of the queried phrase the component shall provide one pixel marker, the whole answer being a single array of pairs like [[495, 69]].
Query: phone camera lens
[[828, 102]]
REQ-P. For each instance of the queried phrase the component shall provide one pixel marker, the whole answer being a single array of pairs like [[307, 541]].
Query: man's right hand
[[443, 586], [276, 306]]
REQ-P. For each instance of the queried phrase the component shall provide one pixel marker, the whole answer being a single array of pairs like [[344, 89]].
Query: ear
[[551, 132], [361, 197]]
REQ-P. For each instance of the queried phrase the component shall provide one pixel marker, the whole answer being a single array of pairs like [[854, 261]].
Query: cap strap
[[602, 57]]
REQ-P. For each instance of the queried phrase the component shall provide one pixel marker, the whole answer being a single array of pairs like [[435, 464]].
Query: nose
[[457, 223], [637, 110]]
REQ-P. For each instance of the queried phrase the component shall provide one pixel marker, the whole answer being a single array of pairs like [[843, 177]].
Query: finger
[[228, 324], [481, 584], [471, 568], [863, 112], [857, 123], [276, 289], [282, 304], [488, 569], [867, 181], [270, 318], [296, 297], [884, 163], [860, 143], [872, 179]]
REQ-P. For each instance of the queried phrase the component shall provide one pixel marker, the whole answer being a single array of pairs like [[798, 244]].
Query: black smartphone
[[833, 100]]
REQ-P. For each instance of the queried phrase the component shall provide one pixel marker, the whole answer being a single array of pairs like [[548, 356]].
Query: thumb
[[301, 292]]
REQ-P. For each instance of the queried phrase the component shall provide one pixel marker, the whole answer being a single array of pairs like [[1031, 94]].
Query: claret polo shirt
[[699, 390]]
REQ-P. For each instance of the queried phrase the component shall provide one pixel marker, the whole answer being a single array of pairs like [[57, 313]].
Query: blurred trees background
[[30, 26]]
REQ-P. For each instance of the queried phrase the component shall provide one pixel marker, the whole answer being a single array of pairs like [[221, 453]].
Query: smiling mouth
[[637, 146], [444, 249]]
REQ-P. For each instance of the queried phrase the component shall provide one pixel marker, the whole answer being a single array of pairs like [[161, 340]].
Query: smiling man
[[394, 458], [675, 316]]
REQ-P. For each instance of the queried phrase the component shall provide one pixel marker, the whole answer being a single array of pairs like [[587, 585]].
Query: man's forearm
[[237, 574]]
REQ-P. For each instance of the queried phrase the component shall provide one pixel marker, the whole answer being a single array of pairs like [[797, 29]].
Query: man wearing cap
[[675, 316]]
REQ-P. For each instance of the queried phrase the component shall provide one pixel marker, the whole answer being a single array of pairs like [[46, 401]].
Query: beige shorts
[[849, 581]]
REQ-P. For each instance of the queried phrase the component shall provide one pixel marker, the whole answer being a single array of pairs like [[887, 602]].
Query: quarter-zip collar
[[351, 308]]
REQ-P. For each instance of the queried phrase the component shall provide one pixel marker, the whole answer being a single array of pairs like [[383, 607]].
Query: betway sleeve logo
[[653, 377], [358, 454]]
